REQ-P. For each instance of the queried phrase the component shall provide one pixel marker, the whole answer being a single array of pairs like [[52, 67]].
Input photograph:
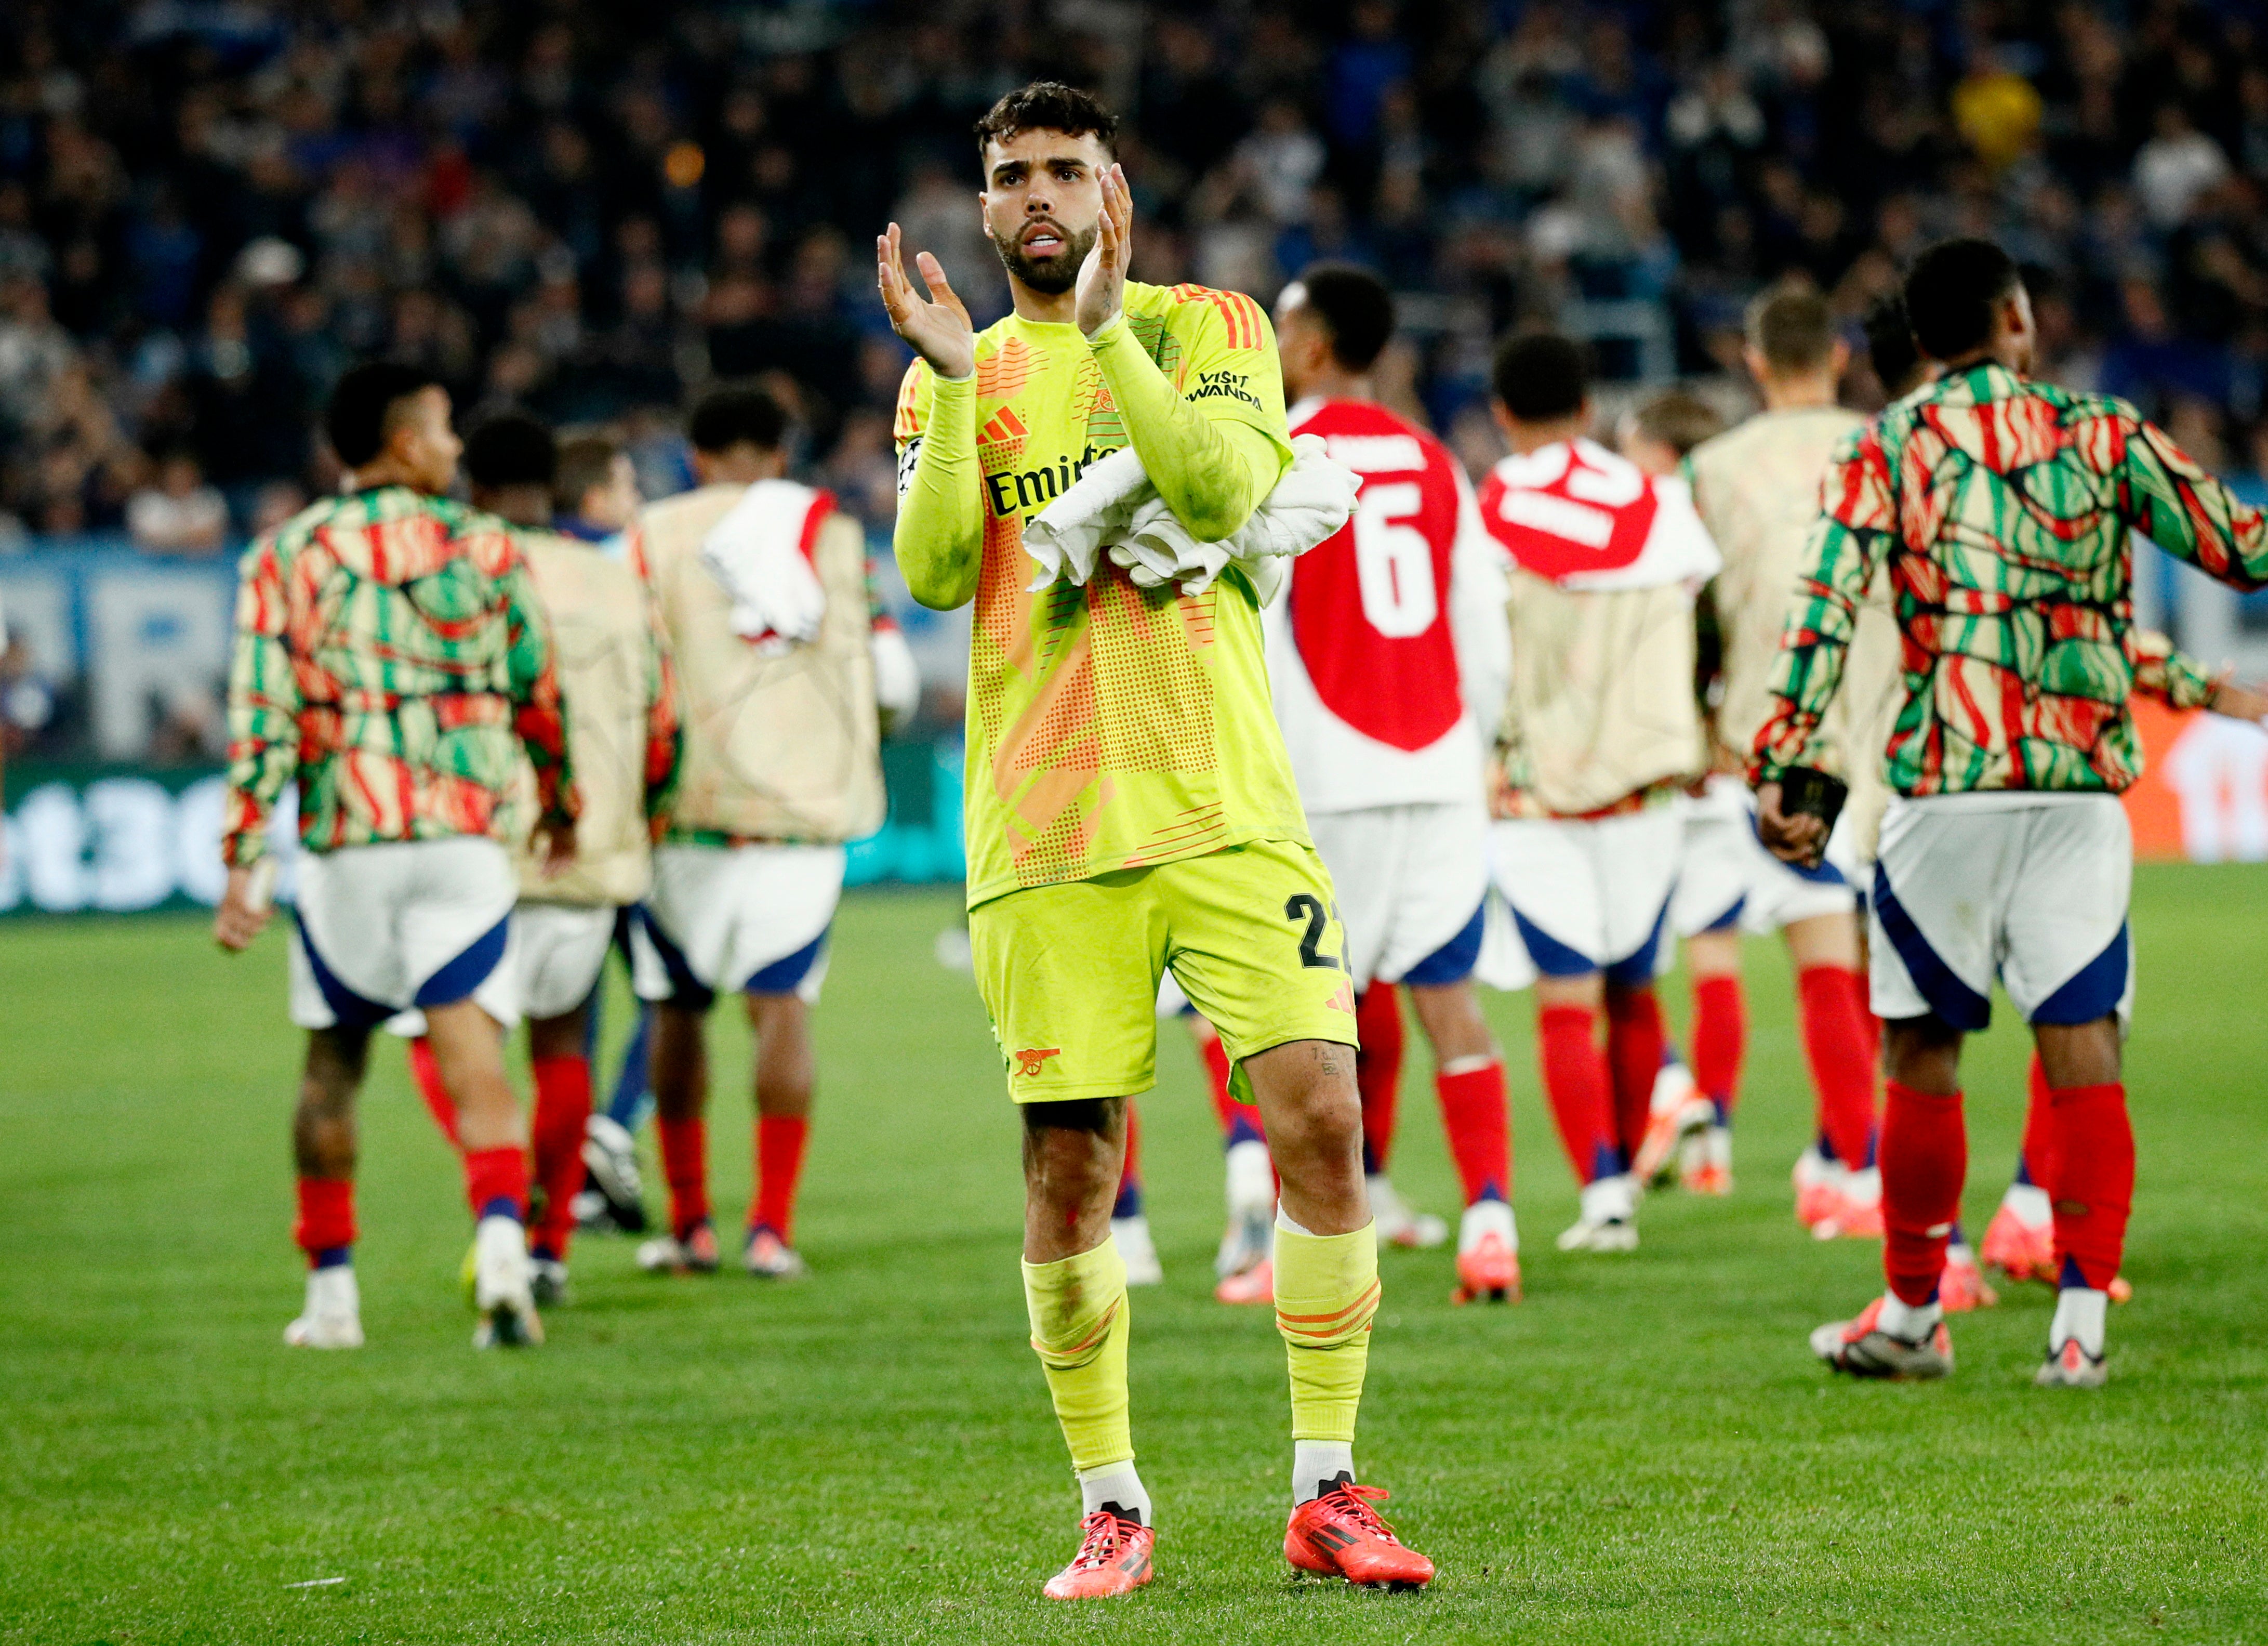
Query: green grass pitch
[[1641, 1451]]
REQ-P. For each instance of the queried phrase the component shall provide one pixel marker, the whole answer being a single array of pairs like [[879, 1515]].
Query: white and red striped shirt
[[1387, 656]]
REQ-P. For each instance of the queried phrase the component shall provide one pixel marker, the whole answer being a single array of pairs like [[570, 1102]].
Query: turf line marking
[[315, 1583]]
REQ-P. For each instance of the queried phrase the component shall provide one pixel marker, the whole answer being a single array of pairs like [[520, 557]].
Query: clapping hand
[[936, 328], [1103, 276]]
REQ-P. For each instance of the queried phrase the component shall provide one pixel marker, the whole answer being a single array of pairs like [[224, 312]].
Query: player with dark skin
[[1925, 1052], [420, 452]]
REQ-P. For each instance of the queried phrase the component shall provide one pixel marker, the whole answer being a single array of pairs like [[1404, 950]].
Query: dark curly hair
[[1047, 106]]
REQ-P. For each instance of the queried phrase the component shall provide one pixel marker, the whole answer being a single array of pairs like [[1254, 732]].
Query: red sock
[[1378, 1069], [496, 1182], [2036, 1165], [1240, 1121], [1924, 1157], [426, 1070], [1834, 1041], [1575, 1084], [685, 1164], [2093, 1153], [1634, 1043], [780, 1140], [1473, 1113], [326, 1227], [1720, 1039], [562, 1108], [1865, 1004]]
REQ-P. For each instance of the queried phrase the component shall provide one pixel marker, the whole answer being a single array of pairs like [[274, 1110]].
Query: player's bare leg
[[323, 1149], [468, 1051], [680, 1100], [1327, 1296], [1075, 1288], [561, 1068], [1469, 1078], [786, 1075], [1245, 1264]]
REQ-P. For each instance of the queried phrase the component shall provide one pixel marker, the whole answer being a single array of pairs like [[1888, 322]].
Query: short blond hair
[[1677, 420], [1792, 327]]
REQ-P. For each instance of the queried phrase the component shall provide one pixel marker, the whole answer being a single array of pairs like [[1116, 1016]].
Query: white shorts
[[410, 923], [1409, 881], [1590, 895], [743, 919], [2031, 888], [561, 948], [1727, 877]]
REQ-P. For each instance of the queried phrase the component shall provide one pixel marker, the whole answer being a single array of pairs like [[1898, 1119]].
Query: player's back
[[606, 653], [397, 616], [1604, 561], [1362, 655], [781, 743], [1756, 488]]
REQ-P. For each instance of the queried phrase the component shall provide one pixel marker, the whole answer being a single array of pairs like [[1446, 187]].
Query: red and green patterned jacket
[[391, 656], [2005, 509]]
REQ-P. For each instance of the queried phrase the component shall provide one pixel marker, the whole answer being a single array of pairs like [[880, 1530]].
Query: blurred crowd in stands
[[208, 207]]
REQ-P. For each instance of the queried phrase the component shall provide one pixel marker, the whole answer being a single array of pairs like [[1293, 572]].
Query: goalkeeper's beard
[[1058, 274]]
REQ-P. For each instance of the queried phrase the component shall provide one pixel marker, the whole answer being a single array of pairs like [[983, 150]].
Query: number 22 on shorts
[[1306, 906]]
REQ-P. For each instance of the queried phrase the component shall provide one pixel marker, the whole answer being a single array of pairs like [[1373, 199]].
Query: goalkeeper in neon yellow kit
[[1130, 804]]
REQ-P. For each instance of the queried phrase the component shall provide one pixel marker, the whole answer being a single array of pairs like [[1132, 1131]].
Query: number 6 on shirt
[[1394, 563]]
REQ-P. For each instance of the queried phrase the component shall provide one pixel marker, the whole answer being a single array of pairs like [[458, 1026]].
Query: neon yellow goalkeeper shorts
[[1070, 972]]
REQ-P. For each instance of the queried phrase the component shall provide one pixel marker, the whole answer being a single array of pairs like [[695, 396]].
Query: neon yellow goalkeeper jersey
[[1110, 726]]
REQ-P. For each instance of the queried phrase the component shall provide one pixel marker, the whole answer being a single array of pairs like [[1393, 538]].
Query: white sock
[[1116, 1486], [1316, 1466], [1483, 1218], [1609, 1199], [2078, 1314], [2030, 1204], [1283, 1222], [1913, 1322]]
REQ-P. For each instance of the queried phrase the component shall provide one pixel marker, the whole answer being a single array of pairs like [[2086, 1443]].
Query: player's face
[[1043, 199], [425, 443]]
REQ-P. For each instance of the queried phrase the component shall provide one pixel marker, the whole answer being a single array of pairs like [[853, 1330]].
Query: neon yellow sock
[[1079, 1327], [1326, 1296]]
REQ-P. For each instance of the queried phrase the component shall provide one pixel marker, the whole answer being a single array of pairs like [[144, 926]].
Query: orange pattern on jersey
[[1240, 314], [1152, 668], [909, 422], [1000, 375]]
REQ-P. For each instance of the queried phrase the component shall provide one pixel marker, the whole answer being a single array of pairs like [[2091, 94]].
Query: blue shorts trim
[[1636, 970], [1454, 959], [1552, 958], [1731, 917], [1821, 873], [785, 975], [457, 979], [352, 1009], [686, 991], [2094, 991], [1962, 1006]]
